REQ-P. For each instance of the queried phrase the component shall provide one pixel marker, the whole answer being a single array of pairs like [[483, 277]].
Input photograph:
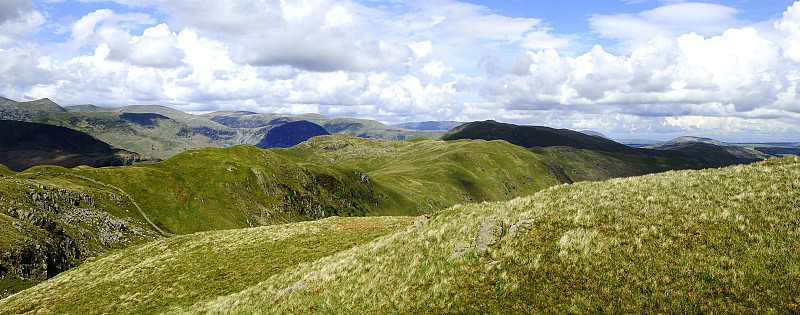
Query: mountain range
[[245, 205], [162, 132]]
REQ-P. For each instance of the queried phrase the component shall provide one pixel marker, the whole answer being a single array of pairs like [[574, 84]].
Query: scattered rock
[[488, 234], [519, 228], [294, 287], [418, 221]]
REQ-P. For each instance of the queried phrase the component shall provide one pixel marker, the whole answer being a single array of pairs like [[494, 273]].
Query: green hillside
[[715, 240], [244, 186], [440, 173], [241, 186]]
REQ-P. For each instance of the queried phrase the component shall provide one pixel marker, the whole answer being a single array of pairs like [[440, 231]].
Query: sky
[[630, 69]]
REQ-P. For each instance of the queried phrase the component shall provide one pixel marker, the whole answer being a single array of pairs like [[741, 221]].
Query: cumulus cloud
[[684, 72], [13, 9], [18, 20], [311, 35], [22, 68], [156, 47], [738, 68]]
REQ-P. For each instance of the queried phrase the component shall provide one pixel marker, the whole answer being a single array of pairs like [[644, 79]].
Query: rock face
[[48, 230], [291, 134]]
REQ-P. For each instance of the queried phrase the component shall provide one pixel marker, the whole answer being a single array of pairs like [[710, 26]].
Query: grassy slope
[[177, 272], [213, 188], [433, 174], [437, 173], [243, 186], [722, 240]]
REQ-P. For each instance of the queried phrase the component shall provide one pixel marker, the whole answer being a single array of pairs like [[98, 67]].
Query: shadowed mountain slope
[[291, 134], [535, 136], [24, 145]]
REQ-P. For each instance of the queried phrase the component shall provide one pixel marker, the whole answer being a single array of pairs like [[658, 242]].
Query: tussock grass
[[177, 272], [723, 240]]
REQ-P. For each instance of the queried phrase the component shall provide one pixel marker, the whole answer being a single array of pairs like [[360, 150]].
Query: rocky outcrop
[[54, 229], [488, 234]]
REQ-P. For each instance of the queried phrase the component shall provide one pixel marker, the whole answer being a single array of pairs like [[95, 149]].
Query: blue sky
[[629, 69]]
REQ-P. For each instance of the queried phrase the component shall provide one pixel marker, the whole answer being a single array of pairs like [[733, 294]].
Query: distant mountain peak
[[42, 104], [746, 153]]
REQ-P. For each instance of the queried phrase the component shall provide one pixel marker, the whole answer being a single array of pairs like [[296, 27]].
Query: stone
[[418, 221], [519, 228], [488, 234]]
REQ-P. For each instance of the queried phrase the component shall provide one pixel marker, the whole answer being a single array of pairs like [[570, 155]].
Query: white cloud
[[669, 21], [18, 20], [156, 47], [312, 35], [685, 72], [421, 49], [20, 68], [84, 30], [435, 69], [789, 26], [739, 68]]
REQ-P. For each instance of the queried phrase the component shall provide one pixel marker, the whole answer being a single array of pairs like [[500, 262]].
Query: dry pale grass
[[723, 240], [183, 270]]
